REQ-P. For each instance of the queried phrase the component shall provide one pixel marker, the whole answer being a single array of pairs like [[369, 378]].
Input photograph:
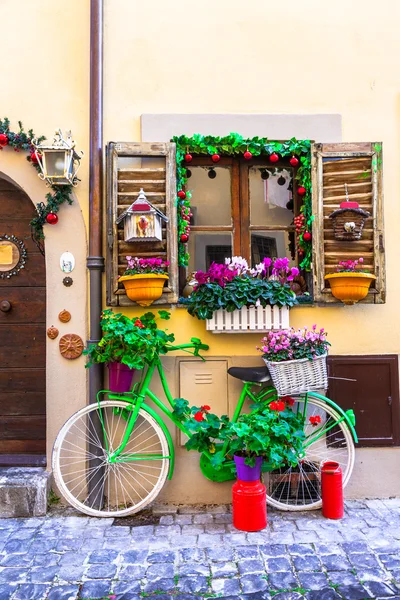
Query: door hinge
[[381, 245], [390, 400]]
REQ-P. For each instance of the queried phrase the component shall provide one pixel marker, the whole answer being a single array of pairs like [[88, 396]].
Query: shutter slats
[[124, 185], [358, 166]]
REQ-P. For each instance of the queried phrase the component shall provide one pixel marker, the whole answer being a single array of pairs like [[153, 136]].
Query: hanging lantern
[[59, 162], [142, 221]]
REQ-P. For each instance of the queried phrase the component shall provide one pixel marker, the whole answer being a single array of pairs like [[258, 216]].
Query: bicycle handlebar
[[196, 344]]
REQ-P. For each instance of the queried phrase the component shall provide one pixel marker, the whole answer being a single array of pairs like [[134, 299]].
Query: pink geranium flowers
[[293, 344]]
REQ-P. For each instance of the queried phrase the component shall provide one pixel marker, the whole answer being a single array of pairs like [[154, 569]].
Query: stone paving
[[192, 554]]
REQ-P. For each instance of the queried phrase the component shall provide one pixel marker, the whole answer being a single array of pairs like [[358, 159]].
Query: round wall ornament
[[52, 332], [64, 316], [71, 346], [13, 255], [67, 262]]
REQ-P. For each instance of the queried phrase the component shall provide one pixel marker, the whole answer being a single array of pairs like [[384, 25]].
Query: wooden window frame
[[241, 227], [114, 151]]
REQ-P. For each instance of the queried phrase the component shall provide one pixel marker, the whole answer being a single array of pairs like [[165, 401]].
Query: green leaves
[[242, 291], [125, 342]]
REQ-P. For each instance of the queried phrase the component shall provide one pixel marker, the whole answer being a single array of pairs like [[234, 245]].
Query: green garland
[[236, 145], [23, 141]]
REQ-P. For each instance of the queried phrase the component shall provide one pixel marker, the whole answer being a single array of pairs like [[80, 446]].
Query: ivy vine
[[22, 141], [236, 145]]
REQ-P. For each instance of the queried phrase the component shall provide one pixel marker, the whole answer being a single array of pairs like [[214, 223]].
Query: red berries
[[181, 194], [3, 140], [274, 157], [215, 158], [307, 236], [52, 218], [188, 158], [301, 190], [247, 155], [294, 161]]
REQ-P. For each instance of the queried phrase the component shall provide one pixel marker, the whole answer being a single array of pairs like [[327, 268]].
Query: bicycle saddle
[[251, 374]]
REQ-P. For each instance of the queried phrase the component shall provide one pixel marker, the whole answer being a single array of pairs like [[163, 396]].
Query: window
[[241, 208]]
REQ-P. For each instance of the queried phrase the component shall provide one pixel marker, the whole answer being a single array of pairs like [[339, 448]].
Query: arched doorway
[[22, 334]]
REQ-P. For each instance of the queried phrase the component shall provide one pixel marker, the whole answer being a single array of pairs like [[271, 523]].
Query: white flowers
[[237, 263]]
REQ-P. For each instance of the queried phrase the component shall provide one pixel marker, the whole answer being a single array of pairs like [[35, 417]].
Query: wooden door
[[374, 396], [22, 334]]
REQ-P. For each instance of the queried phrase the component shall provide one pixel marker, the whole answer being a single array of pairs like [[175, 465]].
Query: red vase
[[120, 377], [249, 505]]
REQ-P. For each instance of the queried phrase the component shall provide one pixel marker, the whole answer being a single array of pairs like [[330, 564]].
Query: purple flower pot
[[120, 377], [245, 472]]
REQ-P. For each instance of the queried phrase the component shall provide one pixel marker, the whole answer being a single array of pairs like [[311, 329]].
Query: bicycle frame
[[136, 401]]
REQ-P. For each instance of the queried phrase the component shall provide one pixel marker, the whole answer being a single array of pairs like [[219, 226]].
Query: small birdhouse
[[142, 221], [348, 220]]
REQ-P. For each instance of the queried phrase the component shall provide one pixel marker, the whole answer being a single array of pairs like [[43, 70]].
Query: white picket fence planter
[[246, 320]]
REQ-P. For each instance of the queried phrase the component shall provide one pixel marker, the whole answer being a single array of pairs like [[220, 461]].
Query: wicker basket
[[302, 375], [348, 223]]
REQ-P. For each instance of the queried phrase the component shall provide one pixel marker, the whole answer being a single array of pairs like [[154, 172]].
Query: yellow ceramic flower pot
[[350, 287], [144, 289]]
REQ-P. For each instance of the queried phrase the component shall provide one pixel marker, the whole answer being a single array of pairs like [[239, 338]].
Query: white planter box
[[247, 320]]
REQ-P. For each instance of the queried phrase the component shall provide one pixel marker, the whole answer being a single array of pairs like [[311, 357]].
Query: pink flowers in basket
[[293, 344]]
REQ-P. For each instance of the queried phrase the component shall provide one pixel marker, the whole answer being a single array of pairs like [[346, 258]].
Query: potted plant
[[127, 344], [144, 279], [350, 283], [233, 297], [296, 359], [271, 432]]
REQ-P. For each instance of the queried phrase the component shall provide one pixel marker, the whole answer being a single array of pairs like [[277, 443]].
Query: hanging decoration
[[22, 140], [236, 145], [13, 255]]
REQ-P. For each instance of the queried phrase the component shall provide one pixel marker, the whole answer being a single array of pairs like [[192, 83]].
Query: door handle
[[5, 305]]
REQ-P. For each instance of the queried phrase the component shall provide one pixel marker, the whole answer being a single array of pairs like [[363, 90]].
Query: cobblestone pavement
[[192, 554]]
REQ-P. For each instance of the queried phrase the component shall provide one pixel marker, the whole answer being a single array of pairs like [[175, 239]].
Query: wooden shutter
[[359, 165], [127, 172]]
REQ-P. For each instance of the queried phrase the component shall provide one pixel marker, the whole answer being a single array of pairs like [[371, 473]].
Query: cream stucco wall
[[215, 57]]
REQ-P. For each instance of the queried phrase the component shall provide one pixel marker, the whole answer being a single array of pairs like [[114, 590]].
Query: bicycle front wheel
[[328, 439], [84, 474]]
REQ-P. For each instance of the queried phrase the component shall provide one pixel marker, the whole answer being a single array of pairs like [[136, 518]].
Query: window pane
[[206, 247], [271, 201], [211, 195], [273, 244]]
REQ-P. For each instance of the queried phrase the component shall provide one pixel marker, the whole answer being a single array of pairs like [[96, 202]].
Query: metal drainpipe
[[95, 260]]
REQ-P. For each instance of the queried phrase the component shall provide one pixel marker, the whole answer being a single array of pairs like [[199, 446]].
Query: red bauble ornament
[[247, 155], [3, 140], [307, 236], [274, 157], [181, 194], [294, 161], [301, 190], [215, 158], [188, 158], [52, 218], [34, 158], [184, 238]]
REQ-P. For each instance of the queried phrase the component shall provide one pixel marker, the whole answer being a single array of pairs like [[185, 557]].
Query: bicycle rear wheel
[[299, 488], [89, 481]]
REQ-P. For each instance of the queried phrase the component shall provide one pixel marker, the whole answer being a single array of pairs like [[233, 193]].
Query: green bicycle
[[112, 458]]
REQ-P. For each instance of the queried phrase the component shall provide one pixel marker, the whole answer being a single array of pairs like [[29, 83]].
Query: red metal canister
[[249, 505], [332, 490]]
